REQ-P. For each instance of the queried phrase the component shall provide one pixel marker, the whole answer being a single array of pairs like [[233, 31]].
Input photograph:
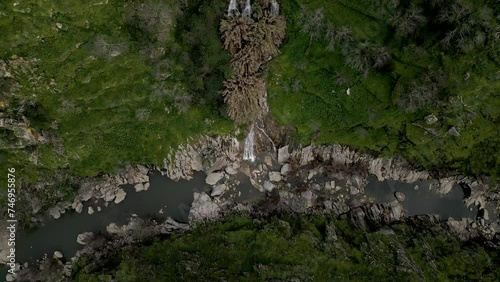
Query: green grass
[[107, 111], [305, 91], [239, 249]]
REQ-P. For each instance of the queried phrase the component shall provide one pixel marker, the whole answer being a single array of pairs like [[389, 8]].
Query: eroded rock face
[[375, 213], [207, 153]]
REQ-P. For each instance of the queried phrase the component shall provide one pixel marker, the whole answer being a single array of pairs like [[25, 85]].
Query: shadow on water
[[421, 200], [175, 198]]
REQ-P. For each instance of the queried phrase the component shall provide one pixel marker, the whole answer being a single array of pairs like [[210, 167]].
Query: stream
[[175, 199]]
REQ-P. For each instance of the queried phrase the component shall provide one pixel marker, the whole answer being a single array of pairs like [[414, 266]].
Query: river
[[175, 198]]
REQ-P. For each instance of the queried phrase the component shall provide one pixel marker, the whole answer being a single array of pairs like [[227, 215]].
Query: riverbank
[[294, 179]]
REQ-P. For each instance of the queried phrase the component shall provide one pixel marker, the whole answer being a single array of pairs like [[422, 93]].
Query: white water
[[248, 149], [232, 7]]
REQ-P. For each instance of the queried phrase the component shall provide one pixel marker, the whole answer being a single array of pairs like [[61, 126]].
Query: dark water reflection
[[421, 200], [174, 198]]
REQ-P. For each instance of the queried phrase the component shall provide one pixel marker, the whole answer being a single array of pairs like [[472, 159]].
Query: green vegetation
[[317, 248], [374, 74], [110, 82]]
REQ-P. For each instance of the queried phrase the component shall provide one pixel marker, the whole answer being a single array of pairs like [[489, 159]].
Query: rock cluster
[[207, 153]]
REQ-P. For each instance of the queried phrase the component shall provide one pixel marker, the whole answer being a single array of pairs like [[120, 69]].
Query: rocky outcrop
[[203, 208], [207, 153], [379, 214], [84, 238], [138, 228]]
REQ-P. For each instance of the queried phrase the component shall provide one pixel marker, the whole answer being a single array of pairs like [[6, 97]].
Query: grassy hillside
[[317, 248], [404, 63], [110, 82]]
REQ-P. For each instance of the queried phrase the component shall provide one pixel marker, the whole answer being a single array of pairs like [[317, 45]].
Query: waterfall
[[247, 11], [248, 149], [233, 9]]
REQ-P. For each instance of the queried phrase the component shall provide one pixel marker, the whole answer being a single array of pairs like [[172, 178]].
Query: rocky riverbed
[[289, 178]]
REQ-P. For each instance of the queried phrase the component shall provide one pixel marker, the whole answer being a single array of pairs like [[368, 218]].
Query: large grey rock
[[269, 186], [9, 277], [139, 187], [274, 176], [120, 196], [203, 208], [283, 154], [213, 178], [112, 228], [90, 210], [453, 132], [307, 155], [445, 185], [79, 207], [109, 196], [431, 119], [146, 186], [285, 169], [55, 212], [58, 254], [218, 190], [400, 196], [231, 170], [353, 190], [219, 164], [84, 238]]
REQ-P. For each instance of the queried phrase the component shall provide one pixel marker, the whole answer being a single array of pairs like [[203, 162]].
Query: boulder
[[353, 190], [283, 155], [231, 170], [400, 196], [219, 164], [203, 208], [112, 228], [453, 132], [120, 196], [109, 196], [79, 207], [139, 187], [218, 190], [146, 186], [58, 254], [213, 178], [9, 277], [445, 185], [431, 119], [84, 238], [285, 169], [269, 186], [55, 212], [91, 210], [330, 185], [307, 155], [274, 176]]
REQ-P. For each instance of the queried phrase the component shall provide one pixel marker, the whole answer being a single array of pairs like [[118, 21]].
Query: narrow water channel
[[173, 198]]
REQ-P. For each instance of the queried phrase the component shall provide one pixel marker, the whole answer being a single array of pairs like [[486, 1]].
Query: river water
[[419, 199], [175, 198]]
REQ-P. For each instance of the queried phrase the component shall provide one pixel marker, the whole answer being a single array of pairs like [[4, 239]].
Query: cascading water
[[248, 149]]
